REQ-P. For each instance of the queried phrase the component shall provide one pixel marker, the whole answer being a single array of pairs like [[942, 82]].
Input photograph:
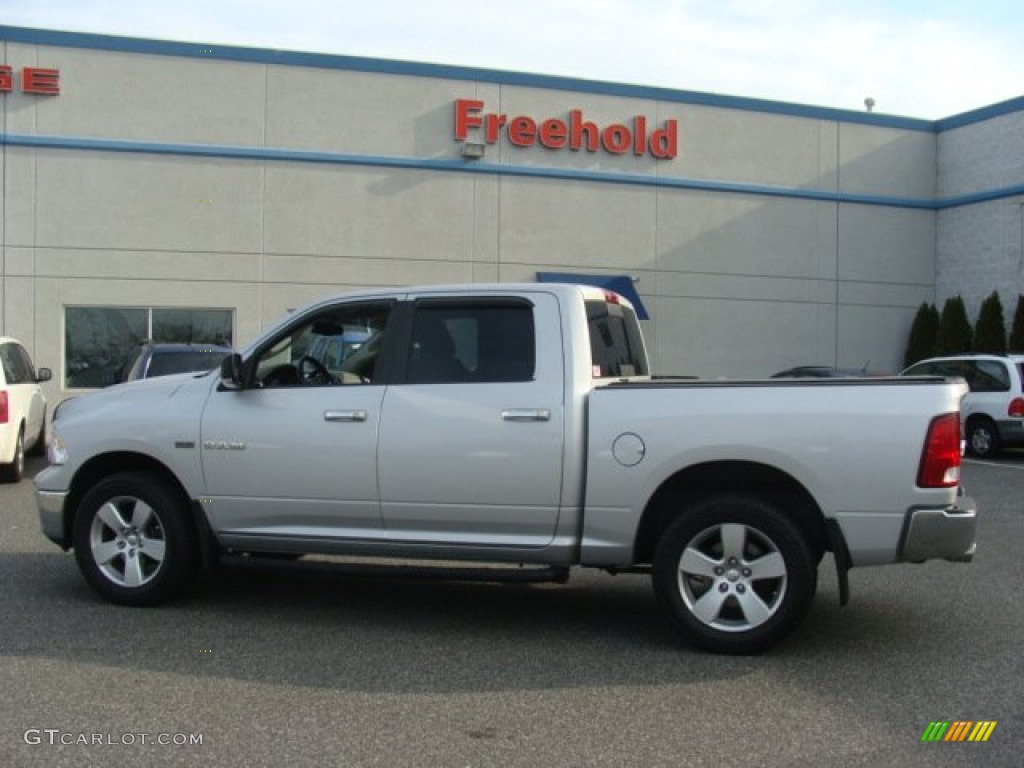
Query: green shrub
[[1017, 329], [923, 334], [990, 332], [955, 335]]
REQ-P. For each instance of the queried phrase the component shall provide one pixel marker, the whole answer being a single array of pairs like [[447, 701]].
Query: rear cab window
[[616, 344]]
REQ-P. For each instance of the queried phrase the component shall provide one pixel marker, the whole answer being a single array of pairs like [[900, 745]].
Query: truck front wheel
[[133, 539], [735, 574]]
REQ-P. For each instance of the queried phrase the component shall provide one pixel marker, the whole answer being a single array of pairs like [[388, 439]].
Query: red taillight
[[611, 297], [4, 416], [1016, 409], [940, 463]]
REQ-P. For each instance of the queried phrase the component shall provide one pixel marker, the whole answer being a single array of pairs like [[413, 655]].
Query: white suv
[[993, 411], [22, 409]]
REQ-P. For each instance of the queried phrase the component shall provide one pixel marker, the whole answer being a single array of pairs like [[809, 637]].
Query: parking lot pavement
[[288, 664]]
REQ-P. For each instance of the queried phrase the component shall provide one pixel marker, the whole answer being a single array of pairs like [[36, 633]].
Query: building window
[[98, 341]]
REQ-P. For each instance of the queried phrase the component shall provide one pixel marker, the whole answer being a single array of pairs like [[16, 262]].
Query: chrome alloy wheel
[[127, 541], [982, 441], [732, 577]]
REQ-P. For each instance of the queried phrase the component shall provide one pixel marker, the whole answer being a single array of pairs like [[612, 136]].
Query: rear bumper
[[1011, 431], [947, 534]]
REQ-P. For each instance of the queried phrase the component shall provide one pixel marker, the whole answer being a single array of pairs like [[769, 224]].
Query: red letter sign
[[467, 115], [6, 78], [35, 80]]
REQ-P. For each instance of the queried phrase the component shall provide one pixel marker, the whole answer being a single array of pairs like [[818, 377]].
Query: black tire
[[39, 446], [751, 563], [117, 520], [13, 472], [983, 438]]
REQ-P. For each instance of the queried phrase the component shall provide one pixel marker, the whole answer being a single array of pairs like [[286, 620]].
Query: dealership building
[[175, 191]]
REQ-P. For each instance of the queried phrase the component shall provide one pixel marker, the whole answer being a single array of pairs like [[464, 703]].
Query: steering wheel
[[313, 372]]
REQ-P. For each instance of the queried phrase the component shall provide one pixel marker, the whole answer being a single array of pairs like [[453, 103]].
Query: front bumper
[[51, 516], [947, 534]]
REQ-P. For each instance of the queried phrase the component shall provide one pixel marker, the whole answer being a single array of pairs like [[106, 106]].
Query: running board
[[418, 572]]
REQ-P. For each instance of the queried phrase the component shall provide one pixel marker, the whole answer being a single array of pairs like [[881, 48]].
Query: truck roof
[[587, 292]]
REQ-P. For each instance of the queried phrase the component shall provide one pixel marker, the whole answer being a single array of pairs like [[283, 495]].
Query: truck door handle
[[344, 415], [526, 414]]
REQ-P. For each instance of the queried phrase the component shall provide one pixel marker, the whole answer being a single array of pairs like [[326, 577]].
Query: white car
[[993, 411], [22, 409]]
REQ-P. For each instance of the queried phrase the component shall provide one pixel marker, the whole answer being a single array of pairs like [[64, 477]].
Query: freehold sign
[[575, 133]]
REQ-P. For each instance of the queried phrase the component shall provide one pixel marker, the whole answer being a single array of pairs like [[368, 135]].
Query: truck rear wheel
[[735, 574], [133, 539]]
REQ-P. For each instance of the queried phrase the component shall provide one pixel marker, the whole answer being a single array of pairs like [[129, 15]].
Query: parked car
[[822, 372], [993, 410], [22, 409], [151, 360]]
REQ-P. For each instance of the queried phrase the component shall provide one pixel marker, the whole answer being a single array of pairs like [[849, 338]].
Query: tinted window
[[183, 362], [15, 369], [102, 343], [26, 361], [946, 368], [616, 348], [990, 376], [191, 326], [489, 341]]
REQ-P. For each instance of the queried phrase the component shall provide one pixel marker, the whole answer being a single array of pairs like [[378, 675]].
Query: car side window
[[489, 340], [26, 361], [308, 354], [16, 370], [990, 376]]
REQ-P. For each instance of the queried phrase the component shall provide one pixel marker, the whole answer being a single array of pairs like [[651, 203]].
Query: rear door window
[[486, 340]]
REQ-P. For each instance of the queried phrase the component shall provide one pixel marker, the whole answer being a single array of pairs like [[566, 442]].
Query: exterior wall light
[[472, 150]]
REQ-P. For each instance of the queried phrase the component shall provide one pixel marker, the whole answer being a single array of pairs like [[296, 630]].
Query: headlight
[[56, 451]]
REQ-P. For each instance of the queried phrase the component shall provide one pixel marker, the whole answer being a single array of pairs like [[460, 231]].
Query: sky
[[912, 57]]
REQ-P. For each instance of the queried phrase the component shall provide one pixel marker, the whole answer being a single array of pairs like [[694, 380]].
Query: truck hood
[[132, 393]]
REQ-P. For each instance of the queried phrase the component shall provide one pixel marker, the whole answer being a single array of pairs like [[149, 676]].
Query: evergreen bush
[[990, 332], [1017, 329], [923, 333], [955, 335]]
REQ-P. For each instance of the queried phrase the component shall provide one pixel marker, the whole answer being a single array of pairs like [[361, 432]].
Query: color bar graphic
[[958, 730]]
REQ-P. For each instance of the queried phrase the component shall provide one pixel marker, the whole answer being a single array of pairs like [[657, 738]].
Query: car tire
[[134, 540], [734, 574], [13, 472], [983, 438]]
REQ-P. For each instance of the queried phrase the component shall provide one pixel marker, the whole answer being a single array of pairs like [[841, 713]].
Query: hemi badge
[[223, 445], [184, 444]]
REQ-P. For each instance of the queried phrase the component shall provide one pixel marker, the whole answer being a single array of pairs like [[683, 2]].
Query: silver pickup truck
[[508, 424]]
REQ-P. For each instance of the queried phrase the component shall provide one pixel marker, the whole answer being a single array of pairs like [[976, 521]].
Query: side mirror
[[231, 372], [43, 374]]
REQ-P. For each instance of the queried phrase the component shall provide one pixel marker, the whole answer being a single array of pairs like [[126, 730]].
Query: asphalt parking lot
[[295, 664]]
